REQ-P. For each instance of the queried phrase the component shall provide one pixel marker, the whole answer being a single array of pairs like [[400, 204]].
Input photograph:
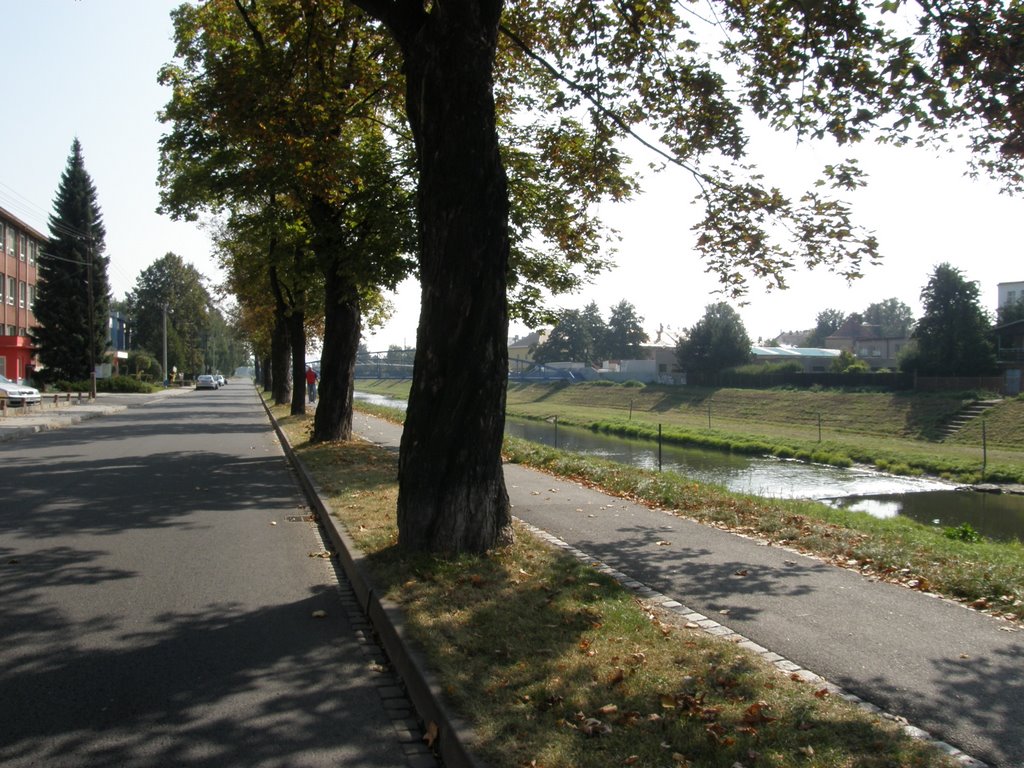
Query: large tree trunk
[[342, 326], [342, 323], [452, 495], [280, 361]]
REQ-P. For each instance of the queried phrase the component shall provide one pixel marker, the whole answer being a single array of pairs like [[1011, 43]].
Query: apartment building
[[20, 246]]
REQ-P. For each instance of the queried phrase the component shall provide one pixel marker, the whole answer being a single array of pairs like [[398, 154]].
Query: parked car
[[221, 381], [18, 394], [206, 381]]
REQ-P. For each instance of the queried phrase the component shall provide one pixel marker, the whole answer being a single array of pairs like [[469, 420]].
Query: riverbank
[[985, 575], [893, 432]]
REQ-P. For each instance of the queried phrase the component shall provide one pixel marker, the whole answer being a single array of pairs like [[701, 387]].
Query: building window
[[31, 296], [23, 294], [3, 241], [21, 246], [12, 331], [32, 251], [1011, 297], [12, 289]]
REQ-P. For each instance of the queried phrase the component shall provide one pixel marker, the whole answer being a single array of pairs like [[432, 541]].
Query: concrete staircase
[[965, 415]]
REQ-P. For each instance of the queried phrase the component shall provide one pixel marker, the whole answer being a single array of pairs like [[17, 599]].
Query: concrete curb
[[454, 735], [57, 421]]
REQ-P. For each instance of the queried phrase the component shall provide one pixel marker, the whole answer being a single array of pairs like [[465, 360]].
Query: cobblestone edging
[[408, 729], [409, 696], [710, 626]]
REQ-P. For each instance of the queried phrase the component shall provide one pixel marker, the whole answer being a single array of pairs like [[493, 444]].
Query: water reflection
[[932, 502], [998, 516], [757, 475]]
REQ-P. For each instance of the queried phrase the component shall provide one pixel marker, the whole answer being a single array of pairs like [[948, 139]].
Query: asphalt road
[[953, 672], [157, 603]]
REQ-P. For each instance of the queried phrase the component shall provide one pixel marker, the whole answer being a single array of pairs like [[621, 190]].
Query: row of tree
[[584, 336], [311, 124], [952, 338], [171, 303], [894, 319], [73, 298]]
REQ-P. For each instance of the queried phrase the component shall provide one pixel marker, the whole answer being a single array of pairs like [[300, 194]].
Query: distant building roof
[[791, 353], [529, 340], [664, 336]]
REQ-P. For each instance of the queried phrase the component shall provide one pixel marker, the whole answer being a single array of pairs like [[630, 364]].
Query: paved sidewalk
[[951, 671], [23, 421]]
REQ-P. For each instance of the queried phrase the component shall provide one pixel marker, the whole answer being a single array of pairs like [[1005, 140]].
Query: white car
[[18, 394], [221, 381], [206, 381]]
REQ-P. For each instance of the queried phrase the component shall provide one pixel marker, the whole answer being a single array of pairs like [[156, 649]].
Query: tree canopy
[[893, 317], [172, 285], [953, 334], [827, 322], [716, 342], [73, 298], [1009, 313], [496, 93]]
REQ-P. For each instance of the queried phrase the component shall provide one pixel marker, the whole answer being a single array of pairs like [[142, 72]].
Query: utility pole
[[165, 346], [92, 315]]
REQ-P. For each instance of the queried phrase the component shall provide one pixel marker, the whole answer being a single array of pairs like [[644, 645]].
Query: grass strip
[[988, 575], [558, 666]]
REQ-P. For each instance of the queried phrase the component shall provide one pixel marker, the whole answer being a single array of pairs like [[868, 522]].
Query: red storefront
[[20, 245]]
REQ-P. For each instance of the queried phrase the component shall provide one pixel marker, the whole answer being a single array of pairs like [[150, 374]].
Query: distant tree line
[[952, 338]]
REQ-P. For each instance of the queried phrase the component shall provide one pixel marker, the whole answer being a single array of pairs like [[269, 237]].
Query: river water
[[926, 500]]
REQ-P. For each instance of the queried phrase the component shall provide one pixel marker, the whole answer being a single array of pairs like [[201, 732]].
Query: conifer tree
[[73, 296]]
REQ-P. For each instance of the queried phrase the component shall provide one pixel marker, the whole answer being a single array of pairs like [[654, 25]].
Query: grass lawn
[[558, 666]]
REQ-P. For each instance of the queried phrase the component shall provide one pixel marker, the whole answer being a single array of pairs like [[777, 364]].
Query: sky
[[88, 68]]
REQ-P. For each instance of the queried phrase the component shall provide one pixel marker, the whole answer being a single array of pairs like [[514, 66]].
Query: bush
[[124, 384], [145, 367], [964, 532], [633, 383]]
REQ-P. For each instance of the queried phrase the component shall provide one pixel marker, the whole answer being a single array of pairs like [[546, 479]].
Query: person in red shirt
[[311, 379]]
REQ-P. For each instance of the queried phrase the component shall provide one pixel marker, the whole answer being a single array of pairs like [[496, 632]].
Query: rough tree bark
[[342, 326], [452, 495], [280, 346]]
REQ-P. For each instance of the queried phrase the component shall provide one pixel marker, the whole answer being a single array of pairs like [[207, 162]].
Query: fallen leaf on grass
[[756, 714], [594, 727], [431, 734]]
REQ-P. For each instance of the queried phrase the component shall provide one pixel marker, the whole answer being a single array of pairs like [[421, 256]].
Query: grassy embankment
[[556, 665], [895, 432]]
